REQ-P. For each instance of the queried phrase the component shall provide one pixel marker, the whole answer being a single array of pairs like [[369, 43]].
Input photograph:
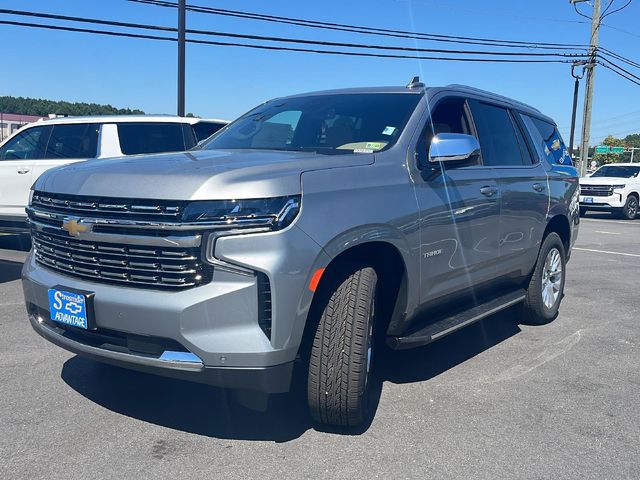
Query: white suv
[[42, 145], [614, 187]]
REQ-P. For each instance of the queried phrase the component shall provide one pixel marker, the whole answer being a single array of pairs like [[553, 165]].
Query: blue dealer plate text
[[68, 308]]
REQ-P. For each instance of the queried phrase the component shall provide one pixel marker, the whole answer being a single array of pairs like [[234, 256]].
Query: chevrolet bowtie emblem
[[74, 227]]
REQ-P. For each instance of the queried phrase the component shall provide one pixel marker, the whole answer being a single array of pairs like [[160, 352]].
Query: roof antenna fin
[[415, 83]]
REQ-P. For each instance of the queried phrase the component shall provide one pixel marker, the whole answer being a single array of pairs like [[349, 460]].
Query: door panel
[[523, 213], [459, 230], [17, 156], [15, 182]]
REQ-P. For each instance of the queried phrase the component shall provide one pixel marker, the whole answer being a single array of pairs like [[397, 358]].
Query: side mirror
[[453, 147]]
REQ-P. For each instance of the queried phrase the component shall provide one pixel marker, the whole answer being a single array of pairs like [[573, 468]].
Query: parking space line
[[607, 251], [607, 233], [621, 222]]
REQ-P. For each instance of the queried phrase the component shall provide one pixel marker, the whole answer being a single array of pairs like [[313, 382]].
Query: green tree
[[632, 140], [43, 107]]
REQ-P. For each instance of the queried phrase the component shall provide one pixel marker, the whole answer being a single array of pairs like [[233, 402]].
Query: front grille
[[596, 190], [135, 265], [110, 208]]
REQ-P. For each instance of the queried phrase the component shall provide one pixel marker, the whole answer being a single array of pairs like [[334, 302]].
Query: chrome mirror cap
[[448, 147]]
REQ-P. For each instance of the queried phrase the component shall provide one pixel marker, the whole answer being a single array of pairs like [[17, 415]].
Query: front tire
[[630, 209], [341, 354], [546, 286], [583, 211]]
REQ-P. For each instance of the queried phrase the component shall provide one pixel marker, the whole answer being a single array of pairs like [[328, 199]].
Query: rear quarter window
[[138, 138], [547, 141], [204, 130]]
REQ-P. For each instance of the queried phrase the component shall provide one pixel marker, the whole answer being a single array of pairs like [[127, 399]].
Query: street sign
[[617, 150], [603, 149]]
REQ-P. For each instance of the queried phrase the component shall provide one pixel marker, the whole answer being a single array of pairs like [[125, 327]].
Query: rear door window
[[204, 130], [137, 138], [27, 145], [497, 135], [547, 140], [79, 140]]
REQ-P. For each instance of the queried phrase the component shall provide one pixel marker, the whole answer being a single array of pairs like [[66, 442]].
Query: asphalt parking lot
[[495, 400]]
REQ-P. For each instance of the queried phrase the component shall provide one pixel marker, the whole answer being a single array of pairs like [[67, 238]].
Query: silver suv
[[313, 231]]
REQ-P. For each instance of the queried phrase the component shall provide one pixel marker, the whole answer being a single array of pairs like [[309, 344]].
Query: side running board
[[450, 324]]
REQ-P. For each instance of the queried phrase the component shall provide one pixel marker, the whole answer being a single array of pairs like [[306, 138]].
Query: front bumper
[[611, 201], [271, 379], [217, 322]]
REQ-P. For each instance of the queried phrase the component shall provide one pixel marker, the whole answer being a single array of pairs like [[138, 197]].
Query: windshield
[[617, 171], [327, 124]]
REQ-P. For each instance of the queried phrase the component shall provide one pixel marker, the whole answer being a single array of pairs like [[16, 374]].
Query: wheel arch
[[559, 224], [386, 258]]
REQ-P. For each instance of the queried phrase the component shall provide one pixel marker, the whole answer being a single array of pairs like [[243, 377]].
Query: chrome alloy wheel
[[632, 207], [551, 278]]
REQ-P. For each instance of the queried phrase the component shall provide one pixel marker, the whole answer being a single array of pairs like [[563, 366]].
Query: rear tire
[[630, 209], [546, 286], [340, 360]]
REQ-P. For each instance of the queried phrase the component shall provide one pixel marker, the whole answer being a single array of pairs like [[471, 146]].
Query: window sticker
[[375, 145], [388, 130]]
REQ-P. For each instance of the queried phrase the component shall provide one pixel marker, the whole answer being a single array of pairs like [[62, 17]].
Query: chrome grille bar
[[142, 266]]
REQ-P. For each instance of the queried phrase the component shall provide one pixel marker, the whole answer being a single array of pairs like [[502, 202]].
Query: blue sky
[[226, 81]]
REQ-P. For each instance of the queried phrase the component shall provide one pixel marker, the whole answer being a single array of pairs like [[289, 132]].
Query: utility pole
[[588, 94], [182, 20], [576, 86]]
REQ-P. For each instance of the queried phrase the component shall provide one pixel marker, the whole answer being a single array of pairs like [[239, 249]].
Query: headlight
[[615, 187], [274, 213]]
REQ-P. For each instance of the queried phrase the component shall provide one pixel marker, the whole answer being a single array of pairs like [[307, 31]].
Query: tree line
[[42, 107], [630, 141]]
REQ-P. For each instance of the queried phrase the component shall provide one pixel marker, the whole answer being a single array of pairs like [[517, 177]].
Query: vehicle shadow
[[214, 412], [421, 364]]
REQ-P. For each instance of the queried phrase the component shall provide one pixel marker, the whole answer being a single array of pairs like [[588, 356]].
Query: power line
[[620, 57], [278, 39], [364, 29], [617, 72], [618, 67], [280, 48], [620, 30], [605, 14]]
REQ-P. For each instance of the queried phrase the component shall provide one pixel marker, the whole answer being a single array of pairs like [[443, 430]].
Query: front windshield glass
[[627, 171], [327, 124]]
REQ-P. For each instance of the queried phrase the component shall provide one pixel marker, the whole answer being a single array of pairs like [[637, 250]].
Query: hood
[[606, 180], [196, 175]]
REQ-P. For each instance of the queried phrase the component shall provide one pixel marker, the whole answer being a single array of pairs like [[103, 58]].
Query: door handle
[[538, 187], [488, 191], [23, 170]]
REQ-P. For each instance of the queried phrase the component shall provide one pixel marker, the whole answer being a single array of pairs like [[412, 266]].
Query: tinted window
[[78, 140], [547, 141], [623, 171], [136, 138], [206, 129], [27, 145], [497, 137], [328, 124]]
